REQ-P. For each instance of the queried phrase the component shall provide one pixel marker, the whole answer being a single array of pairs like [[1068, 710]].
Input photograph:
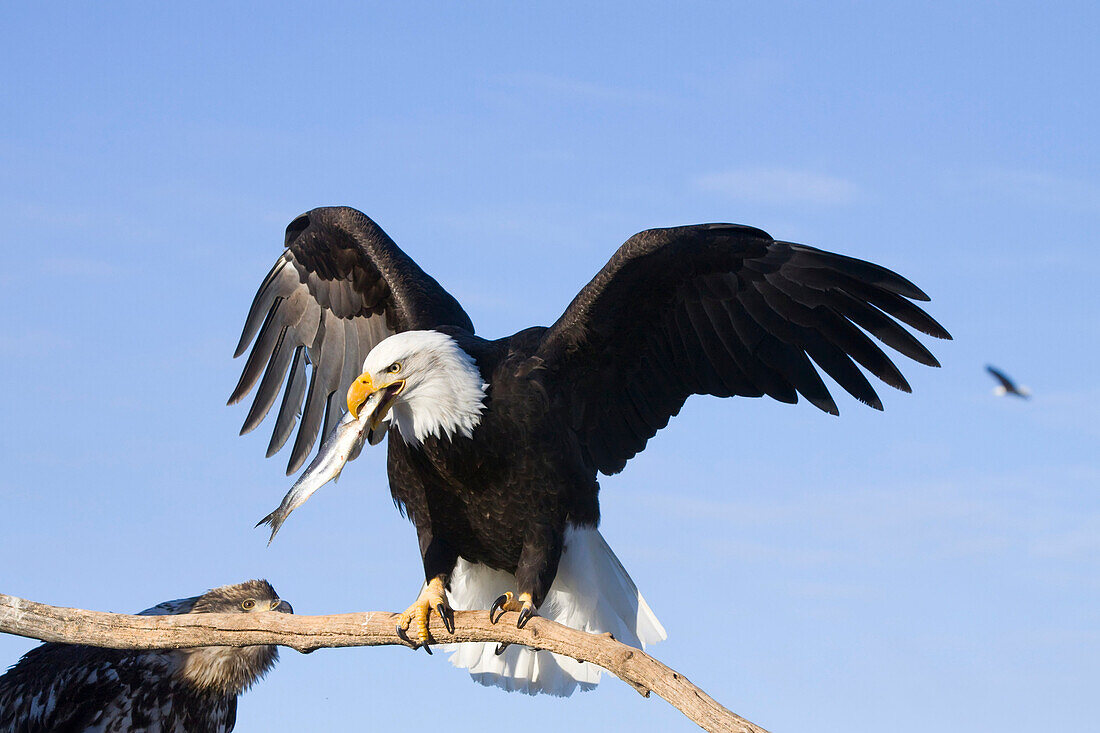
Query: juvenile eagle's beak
[[363, 388]]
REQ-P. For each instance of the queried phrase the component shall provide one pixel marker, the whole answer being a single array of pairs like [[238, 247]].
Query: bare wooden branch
[[306, 633]]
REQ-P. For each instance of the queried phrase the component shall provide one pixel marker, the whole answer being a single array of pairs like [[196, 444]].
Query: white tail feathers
[[591, 592]]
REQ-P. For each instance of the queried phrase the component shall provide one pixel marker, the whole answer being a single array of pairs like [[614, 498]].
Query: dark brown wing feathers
[[725, 310]]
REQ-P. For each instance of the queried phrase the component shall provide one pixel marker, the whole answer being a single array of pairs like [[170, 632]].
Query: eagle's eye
[[248, 605], [394, 368]]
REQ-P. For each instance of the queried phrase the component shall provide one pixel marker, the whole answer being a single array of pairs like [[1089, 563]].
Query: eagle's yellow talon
[[415, 617], [509, 602]]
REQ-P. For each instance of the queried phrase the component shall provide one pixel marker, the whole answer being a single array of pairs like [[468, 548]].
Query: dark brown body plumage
[[504, 496]]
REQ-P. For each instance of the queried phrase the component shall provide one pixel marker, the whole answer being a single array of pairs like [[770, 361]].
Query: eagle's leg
[[439, 561], [538, 564], [414, 619]]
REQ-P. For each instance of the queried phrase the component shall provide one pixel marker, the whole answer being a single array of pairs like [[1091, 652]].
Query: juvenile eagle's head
[[431, 386], [227, 669]]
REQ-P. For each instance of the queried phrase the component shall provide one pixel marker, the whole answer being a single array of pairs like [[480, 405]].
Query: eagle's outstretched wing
[[1006, 383], [341, 287], [725, 310]]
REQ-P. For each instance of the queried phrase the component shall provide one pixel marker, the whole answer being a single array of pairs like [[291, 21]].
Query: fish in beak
[[341, 446], [364, 388], [369, 405]]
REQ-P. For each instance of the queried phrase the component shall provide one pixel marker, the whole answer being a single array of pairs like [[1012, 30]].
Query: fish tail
[[275, 520]]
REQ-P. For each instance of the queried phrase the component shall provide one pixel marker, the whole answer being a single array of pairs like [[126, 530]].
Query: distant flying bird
[[1006, 386], [73, 688], [495, 445]]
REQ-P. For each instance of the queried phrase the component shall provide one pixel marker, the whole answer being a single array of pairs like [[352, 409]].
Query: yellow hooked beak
[[363, 388], [358, 392]]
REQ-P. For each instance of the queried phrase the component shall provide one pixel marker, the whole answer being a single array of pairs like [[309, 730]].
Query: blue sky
[[935, 562]]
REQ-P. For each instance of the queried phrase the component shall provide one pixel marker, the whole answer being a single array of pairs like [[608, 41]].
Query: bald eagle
[[68, 687], [495, 445], [1005, 385]]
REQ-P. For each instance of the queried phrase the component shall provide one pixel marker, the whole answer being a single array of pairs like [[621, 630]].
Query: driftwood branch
[[306, 633]]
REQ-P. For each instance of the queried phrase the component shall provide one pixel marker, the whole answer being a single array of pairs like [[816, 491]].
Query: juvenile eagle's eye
[[394, 368], [248, 605]]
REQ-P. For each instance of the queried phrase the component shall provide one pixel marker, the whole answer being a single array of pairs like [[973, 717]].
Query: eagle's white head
[[424, 382]]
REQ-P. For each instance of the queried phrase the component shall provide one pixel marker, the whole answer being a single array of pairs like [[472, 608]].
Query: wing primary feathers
[[866, 316], [307, 432], [269, 385], [258, 357], [840, 367], [311, 412], [904, 311], [836, 329], [861, 270], [891, 303], [333, 413], [884, 329], [800, 371], [292, 311], [841, 332], [291, 406], [265, 295], [327, 366]]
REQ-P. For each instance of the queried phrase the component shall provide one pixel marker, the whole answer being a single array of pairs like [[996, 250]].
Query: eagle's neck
[[225, 670], [446, 400]]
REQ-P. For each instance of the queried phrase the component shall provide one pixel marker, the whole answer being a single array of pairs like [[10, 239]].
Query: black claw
[[446, 615], [404, 637], [500, 601], [524, 615], [428, 649], [501, 647]]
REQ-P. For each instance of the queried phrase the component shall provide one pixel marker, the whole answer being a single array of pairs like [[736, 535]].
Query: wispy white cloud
[[765, 185]]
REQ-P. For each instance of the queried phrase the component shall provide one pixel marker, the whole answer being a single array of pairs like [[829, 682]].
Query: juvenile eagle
[[73, 688], [495, 445]]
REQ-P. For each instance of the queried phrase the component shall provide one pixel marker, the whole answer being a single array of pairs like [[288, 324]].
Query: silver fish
[[342, 445]]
